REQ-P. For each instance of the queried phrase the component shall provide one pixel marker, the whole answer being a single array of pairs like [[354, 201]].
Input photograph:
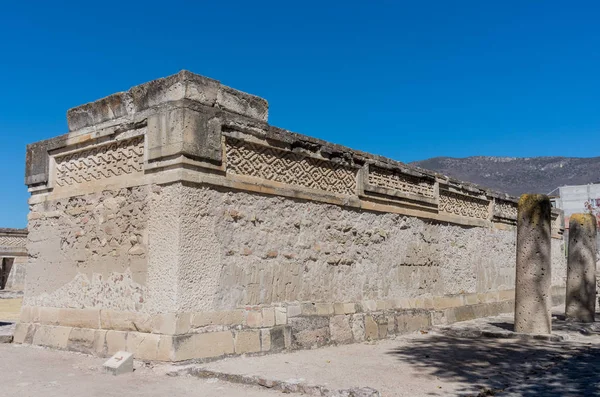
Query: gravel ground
[[27, 371]]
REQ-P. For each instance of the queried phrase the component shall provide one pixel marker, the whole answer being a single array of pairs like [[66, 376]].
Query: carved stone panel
[[277, 165], [101, 162], [463, 205], [505, 209], [403, 183], [13, 241]]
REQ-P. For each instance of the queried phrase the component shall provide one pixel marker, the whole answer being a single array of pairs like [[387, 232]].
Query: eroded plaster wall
[[89, 251]]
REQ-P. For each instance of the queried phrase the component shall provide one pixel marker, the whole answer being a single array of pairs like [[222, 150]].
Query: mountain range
[[518, 175]]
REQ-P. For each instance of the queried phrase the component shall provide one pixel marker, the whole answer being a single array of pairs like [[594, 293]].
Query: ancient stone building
[[13, 257], [174, 222]]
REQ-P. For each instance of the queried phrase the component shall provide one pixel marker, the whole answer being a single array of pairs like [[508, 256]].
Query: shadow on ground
[[507, 367], [560, 325]]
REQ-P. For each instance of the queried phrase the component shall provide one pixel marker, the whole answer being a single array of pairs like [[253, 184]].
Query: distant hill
[[518, 175]]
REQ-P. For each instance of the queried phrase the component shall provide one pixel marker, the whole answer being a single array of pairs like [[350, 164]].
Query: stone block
[[247, 341], [265, 340], [52, 336], [165, 348], [268, 317], [24, 333], [368, 306], [120, 363], [471, 299], [254, 319], [464, 313], [444, 302], [309, 332], [181, 86], [100, 342], [391, 324], [413, 321], [506, 294], [280, 316], [358, 327], [438, 318], [340, 330], [294, 310], [281, 338], [423, 303], [79, 318], [184, 131], [205, 345], [227, 318], [344, 308], [183, 347], [25, 315], [241, 103], [371, 328], [171, 323], [309, 309], [125, 321], [115, 341], [82, 340], [47, 315], [324, 309], [144, 346]]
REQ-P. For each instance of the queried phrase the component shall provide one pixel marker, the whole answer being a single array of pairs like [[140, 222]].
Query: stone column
[[581, 268], [533, 279]]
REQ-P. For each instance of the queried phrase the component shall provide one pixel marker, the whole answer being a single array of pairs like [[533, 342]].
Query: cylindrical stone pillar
[[533, 279], [581, 268]]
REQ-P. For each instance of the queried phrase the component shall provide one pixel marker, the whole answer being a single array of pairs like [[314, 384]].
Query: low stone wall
[[173, 222], [208, 335]]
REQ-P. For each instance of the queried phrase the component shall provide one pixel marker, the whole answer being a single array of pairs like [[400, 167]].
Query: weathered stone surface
[[144, 346], [82, 340], [183, 85], [171, 323], [24, 333], [533, 275], [371, 328], [265, 340], [229, 317], [581, 268], [210, 344], [308, 332], [79, 318], [280, 338], [280, 316], [52, 336], [184, 132], [247, 341], [115, 341], [413, 321], [340, 330], [358, 327], [82, 248], [125, 321], [344, 308]]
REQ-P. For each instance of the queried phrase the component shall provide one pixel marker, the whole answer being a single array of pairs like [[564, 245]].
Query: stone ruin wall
[[13, 259], [173, 222]]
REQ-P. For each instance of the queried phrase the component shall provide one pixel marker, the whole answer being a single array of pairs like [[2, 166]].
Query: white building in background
[[577, 199]]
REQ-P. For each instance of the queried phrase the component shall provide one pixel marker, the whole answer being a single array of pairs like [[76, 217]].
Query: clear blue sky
[[408, 80]]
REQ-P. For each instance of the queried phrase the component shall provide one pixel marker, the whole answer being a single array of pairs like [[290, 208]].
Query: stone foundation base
[[253, 330]]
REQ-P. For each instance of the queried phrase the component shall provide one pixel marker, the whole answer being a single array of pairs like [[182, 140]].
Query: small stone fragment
[[120, 363]]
